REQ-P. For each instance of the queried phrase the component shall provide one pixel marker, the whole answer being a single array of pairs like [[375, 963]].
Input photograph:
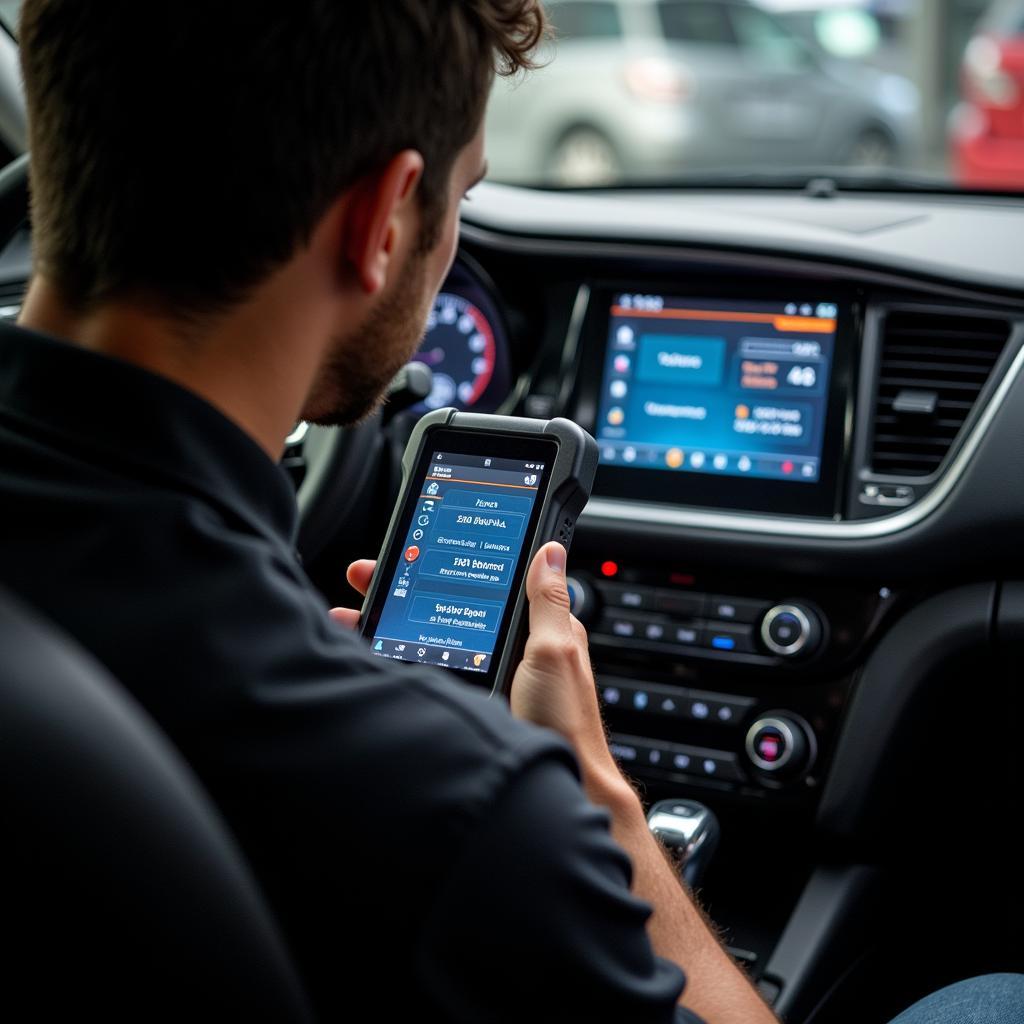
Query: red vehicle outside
[[988, 130]]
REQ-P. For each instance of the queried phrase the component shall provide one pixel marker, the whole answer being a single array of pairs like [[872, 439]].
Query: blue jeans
[[990, 999]]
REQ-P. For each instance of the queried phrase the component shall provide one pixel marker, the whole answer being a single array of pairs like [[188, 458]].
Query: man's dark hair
[[180, 151]]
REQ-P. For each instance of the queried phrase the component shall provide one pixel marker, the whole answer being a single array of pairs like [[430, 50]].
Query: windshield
[[922, 93]]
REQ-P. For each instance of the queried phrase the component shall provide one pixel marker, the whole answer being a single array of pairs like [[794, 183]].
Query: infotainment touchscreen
[[732, 388]]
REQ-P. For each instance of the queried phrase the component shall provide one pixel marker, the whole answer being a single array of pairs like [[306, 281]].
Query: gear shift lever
[[690, 831]]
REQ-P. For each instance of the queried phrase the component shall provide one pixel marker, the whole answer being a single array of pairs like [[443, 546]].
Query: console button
[[771, 747], [624, 751], [614, 695], [671, 704], [583, 600], [734, 639], [649, 698], [789, 630], [639, 752], [619, 626], [655, 757], [729, 712], [708, 764], [786, 629], [699, 709], [679, 603], [722, 709], [618, 596], [700, 762], [779, 744], [635, 750], [687, 636], [657, 631], [735, 609]]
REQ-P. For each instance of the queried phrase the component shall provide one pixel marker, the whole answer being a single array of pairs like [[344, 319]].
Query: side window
[[769, 42], [683, 21], [9, 15], [585, 19]]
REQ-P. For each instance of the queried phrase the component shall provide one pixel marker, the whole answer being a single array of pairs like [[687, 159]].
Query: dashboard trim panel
[[824, 265], [955, 239]]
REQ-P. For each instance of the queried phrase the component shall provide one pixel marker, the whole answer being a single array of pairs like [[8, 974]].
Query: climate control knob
[[791, 630], [780, 744], [582, 599]]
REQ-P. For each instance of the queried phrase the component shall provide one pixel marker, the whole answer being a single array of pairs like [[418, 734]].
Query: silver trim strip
[[571, 346], [618, 510]]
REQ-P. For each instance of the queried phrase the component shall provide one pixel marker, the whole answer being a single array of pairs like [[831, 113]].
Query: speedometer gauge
[[459, 348], [466, 343]]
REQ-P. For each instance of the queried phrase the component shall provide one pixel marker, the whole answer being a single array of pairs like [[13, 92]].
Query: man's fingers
[[360, 573], [347, 617], [548, 596]]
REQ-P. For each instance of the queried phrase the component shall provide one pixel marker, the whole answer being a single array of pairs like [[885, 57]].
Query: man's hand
[[553, 685]]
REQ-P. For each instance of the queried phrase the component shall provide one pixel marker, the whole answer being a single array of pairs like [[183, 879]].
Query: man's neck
[[245, 365]]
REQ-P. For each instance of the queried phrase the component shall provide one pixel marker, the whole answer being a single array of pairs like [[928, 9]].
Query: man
[[242, 212]]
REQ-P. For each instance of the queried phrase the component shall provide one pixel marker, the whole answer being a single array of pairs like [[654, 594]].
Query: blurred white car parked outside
[[651, 90]]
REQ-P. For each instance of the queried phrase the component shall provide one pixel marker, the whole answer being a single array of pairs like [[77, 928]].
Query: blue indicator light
[[723, 643]]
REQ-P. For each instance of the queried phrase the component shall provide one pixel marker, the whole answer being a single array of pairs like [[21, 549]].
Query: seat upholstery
[[123, 892]]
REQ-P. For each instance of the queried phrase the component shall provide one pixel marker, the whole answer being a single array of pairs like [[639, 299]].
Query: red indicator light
[[609, 568], [787, 467]]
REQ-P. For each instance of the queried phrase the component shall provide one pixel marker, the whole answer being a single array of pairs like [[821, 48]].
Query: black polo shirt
[[429, 855]]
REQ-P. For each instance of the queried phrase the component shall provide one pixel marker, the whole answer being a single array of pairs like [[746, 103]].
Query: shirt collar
[[124, 415]]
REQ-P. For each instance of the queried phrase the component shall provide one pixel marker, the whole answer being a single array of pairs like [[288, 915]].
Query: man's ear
[[381, 207]]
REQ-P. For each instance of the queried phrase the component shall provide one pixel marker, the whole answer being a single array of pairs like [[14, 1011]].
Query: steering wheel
[[340, 464]]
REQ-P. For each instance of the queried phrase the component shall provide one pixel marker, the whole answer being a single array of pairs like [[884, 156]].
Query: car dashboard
[[800, 569]]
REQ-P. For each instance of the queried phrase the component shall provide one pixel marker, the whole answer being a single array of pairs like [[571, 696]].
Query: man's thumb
[[548, 594]]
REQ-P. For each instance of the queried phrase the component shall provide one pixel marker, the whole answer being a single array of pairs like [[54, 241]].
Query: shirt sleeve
[[536, 921]]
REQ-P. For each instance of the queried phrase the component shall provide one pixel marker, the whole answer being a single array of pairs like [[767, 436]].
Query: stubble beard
[[353, 380]]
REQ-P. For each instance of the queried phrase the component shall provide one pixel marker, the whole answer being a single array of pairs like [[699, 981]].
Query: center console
[[716, 680]]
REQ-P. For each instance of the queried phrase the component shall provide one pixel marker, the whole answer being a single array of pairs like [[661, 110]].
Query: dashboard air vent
[[933, 367]]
